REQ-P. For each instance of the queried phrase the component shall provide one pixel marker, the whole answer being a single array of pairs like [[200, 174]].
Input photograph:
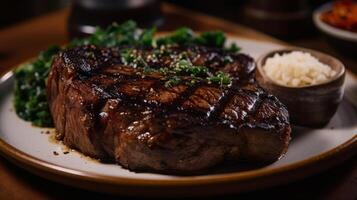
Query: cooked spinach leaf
[[220, 78], [30, 89]]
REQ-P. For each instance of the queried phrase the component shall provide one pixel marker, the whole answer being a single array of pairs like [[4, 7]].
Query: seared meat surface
[[111, 109]]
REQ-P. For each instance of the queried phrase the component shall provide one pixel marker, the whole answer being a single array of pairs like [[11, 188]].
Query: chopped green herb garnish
[[139, 62], [172, 81], [164, 70], [148, 70], [220, 78], [127, 56], [194, 80], [130, 57], [186, 67], [30, 90]]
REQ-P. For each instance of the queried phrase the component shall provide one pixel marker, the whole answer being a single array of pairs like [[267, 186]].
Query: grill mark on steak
[[244, 103], [178, 102], [203, 99], [221, 104], [159, 95], [133, 92], [117, 113], [188, 100]]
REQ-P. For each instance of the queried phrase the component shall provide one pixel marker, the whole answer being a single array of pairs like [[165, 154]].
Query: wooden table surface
[[25, 40]]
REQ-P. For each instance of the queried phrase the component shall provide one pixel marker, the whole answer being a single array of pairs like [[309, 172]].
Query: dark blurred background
[[288, 20], [12, 11], [285, 19]]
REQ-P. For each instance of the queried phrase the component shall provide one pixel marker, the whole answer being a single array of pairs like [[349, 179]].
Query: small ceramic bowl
[[311, 106], [342, 40]]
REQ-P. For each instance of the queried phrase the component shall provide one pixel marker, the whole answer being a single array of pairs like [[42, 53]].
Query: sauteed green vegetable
[[30, 90]]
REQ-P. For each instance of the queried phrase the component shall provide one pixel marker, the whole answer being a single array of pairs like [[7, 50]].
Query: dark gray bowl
[[311, 106]]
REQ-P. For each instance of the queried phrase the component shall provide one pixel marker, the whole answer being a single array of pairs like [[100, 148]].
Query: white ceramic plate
[[26, 146]]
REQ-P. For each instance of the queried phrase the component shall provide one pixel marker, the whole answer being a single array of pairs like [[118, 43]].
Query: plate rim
[[283, 174], [9, 150], [242, 181]]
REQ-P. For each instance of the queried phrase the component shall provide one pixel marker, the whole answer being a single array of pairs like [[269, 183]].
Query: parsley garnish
[[220, 78], [30, 90], [186, 67], [148, 70], [172, 81]]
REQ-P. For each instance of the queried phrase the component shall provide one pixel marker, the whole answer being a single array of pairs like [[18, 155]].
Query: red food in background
[[343, 15]]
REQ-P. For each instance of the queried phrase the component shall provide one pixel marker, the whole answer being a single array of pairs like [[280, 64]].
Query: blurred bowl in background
[[86, 15], [280, 18], [342, 40]]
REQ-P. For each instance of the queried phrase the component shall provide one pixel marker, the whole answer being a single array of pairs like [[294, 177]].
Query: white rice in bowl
[[297, 69]]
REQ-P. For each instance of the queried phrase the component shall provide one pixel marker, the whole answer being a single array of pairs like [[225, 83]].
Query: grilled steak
[[112, 110]]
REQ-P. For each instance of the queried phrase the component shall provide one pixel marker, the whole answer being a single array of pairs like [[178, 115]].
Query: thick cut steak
[[110, 110]]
